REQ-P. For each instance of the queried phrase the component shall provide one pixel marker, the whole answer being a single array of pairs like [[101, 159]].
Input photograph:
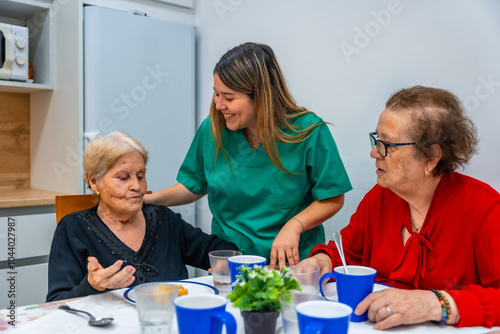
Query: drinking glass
[[155, 306], [220, 269], [288, 302], [308, 277]]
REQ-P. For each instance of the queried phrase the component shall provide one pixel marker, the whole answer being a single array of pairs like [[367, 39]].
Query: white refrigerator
[[139, 78]]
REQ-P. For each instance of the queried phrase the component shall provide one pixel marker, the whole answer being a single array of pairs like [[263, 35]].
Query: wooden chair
[[66, 204]]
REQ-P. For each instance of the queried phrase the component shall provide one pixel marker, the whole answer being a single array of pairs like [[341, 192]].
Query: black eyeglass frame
[[375, 142]]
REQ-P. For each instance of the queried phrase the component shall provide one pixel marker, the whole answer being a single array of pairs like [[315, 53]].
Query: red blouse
[[457, 249]]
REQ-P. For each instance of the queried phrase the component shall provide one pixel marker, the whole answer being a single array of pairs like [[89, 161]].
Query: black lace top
[[139, 260], [169, 244]]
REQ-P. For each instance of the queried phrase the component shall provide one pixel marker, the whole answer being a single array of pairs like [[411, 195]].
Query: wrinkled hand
[[322, 260], [286, 245], [111, 277], [406, 306]]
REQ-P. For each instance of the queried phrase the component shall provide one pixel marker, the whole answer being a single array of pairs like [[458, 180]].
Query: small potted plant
[[256, 292]]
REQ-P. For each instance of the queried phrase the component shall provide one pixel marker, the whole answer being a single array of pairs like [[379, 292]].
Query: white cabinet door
[[29, 285], [30, 235], [25, 239]]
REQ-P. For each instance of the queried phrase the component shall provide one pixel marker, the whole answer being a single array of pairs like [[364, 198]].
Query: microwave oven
[[13, 52]]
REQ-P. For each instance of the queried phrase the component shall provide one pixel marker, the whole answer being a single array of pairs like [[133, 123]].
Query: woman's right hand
[[322, 260], [111, 277], [393, 307]]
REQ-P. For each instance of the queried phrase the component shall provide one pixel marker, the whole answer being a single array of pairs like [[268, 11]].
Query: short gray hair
[[103, 151]]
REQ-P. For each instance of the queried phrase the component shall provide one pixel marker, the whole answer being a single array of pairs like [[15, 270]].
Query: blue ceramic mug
[[239, 260], [323, 317], [352, 288], [206, 312]]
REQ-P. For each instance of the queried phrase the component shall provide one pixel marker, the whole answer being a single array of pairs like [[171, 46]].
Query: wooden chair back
[[66, 204]]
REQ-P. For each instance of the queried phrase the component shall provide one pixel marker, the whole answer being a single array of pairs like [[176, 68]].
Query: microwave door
[[2, 49], [7, 52]]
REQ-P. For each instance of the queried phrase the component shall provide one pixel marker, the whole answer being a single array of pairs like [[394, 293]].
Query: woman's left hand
[[286, 245], [112, 277], [393, 307]]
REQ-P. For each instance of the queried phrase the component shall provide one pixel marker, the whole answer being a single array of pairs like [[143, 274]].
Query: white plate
[[330, 290], [194, 288]]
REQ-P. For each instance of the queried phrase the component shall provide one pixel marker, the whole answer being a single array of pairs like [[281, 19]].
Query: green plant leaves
[[258, 289]]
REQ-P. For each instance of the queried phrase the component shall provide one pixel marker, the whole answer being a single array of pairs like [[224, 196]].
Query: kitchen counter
[[11, 198]]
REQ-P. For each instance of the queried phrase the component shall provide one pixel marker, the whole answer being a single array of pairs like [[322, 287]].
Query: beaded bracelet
[[445, 307]]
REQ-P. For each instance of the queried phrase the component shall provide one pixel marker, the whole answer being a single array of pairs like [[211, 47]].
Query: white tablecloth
[[112, 304]]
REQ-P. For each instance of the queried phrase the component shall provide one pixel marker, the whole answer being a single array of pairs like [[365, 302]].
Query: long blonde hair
[[252, 69]]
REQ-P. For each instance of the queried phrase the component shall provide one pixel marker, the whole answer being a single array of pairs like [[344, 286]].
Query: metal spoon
[[337, 237], [93, 320]]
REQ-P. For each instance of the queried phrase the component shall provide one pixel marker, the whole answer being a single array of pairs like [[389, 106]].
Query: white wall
[[343, 59]]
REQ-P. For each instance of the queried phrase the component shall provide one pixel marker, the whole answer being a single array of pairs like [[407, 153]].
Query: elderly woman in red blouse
[[429, 231]]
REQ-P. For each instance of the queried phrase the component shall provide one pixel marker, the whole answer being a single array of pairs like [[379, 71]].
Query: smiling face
[[123, 186], [400, 171], [237, 107]]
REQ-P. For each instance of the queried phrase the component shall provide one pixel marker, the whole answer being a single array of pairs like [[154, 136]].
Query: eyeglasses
[[382, 145]]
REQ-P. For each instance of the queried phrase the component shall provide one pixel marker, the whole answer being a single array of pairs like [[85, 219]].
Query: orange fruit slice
[[182, 291]]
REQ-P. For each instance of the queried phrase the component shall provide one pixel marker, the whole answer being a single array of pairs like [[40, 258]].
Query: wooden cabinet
[[16, 104], [14, 141]]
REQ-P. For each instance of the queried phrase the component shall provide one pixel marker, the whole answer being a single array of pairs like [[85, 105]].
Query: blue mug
[[206, 312], [323, 317], [352, 288], [239, 260]]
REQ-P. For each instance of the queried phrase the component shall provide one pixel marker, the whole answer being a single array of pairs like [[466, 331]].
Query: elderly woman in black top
[[122, 241]]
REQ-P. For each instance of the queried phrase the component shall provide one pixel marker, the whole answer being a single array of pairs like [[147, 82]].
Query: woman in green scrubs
[[271, 169]]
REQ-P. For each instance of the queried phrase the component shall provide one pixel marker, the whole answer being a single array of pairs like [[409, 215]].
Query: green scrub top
[[251, 199]]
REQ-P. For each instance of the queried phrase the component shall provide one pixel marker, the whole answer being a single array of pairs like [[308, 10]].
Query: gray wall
[[343, 59]]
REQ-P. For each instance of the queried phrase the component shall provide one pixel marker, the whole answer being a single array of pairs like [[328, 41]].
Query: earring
[[427, 173], [98, 193]]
